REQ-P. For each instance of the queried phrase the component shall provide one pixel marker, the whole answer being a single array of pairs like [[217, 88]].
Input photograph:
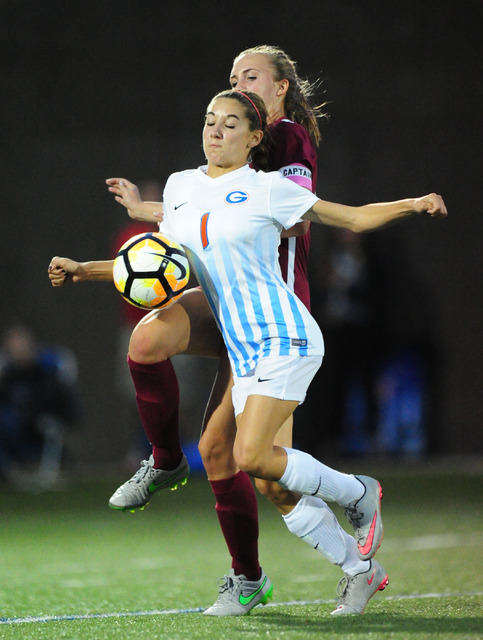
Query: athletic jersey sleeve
[[294, 156], [293, 153], [289, 201]]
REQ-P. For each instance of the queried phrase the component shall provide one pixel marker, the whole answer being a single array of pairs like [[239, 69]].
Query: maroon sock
[[236, 506], [157, 395]]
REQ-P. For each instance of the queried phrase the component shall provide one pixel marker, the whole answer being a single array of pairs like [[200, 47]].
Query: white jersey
[[230, 228]]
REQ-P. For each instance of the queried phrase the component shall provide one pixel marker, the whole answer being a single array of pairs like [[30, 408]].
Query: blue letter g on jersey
[[236, 197]]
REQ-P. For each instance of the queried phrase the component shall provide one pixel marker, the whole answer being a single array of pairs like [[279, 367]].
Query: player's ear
[[283, 86], [255, 138]]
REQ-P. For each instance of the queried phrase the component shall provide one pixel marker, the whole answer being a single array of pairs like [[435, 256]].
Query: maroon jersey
[[294, 155]]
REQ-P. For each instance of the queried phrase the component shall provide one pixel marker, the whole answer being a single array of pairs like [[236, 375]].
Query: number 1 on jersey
[[204, 230]]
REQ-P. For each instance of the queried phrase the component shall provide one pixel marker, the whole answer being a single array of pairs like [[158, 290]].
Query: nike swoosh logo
[[172, 480], [264, 379], [247, 599], [369, 580], [318, 486], [367, 547], [180, 205]]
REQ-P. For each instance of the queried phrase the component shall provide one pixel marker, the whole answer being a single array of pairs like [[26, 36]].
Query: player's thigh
[[285, 434], [204, 338], [283, 500], [219, 426], [257, 428], [219, 410], [161, 334], [187, 326]]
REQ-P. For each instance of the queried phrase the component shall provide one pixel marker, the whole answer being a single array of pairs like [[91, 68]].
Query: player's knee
[[209, 451], [249, 460], [145, 346], [217, 457]]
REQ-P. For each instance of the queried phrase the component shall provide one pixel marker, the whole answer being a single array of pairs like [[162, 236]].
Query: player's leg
[[360, 496], [282, 499], [311, 520], [259, 420], [257, 427], [236, 503], [187, 326], [219, 426]]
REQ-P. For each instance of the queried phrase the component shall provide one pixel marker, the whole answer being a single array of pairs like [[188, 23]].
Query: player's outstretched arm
[[61, 270], [374, 216], [127, 194]]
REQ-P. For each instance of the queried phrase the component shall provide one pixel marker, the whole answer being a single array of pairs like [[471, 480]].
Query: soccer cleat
[[364, 515], [356, 591], [238, 595], [136, 492]]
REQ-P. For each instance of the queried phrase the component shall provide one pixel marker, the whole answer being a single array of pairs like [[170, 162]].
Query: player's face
[[227, 139], [253, 72]]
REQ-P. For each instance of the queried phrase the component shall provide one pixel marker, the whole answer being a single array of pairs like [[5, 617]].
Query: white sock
[[304, 474], [312, 521]]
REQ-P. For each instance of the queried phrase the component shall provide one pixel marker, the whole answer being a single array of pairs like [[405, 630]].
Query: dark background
[[92, 90]]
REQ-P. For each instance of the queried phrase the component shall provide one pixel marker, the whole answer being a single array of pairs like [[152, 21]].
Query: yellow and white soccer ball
[[151, 270]]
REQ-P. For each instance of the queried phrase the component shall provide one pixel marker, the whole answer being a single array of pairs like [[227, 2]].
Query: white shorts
[[282, 377]]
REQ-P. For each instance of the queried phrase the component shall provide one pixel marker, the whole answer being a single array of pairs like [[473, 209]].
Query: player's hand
[[61, 270], [127, 194], [431, 204]]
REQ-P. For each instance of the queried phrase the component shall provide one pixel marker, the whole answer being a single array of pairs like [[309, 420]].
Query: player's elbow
[[357, 226], [357, 221]]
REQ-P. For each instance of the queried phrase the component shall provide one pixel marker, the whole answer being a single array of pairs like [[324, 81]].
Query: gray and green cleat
[[238, 595], [136, 492]]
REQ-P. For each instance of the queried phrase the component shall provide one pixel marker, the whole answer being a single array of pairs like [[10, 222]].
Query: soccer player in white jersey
[[294, 132], [229, 217], [275, 346]]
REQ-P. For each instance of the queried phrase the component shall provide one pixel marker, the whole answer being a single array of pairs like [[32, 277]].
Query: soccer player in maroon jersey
[[294, 130], [189, 327]]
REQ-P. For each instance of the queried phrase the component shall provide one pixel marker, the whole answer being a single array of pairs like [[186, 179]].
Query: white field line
[[413, 544], [163, 612], [438, 541]]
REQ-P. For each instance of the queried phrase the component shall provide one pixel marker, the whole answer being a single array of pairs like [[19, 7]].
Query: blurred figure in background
[[407, 386], [38, 402], [402, 396], [377, 389], [345, 295]]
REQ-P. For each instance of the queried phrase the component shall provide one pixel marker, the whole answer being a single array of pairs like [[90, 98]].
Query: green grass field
[[65, 554]]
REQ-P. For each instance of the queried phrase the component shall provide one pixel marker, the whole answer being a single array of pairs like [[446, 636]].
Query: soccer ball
[[151, 270]]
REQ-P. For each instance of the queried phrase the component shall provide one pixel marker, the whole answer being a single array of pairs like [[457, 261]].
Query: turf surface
[[73, 568]]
